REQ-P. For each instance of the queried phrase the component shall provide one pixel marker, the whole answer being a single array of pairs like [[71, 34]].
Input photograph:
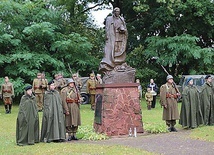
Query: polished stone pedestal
[[118, 109]]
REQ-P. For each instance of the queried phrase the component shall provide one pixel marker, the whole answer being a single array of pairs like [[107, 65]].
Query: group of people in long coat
[[197, 107], [191, 114], [54, 127]]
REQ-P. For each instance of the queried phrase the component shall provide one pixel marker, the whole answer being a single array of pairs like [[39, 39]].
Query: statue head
[[116, 11]]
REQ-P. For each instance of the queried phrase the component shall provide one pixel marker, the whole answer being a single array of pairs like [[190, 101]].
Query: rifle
[[174, 84], [78, 97]]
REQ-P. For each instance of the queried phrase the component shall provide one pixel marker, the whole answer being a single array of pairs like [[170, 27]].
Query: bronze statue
[[113, 64], [116, 39]]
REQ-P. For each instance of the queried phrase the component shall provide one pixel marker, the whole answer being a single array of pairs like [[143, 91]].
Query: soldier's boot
[[10, 107], [74, 137], [149, 107], [173, 129], [69, 137], [6, 109], [92, 107]]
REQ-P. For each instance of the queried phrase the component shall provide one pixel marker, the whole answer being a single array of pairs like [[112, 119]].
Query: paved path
[[176, 143]]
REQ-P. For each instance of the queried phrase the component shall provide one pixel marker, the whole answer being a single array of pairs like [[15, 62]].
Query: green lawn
[[8, 142], [152, 120]]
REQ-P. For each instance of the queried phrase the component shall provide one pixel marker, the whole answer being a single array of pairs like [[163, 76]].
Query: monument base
[[118, 109], [121, 74]]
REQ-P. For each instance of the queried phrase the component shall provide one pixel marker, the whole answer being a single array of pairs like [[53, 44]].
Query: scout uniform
[[91, 89], [149, 98], [39, 85], [7, 92], [168, 97], [71, 106]]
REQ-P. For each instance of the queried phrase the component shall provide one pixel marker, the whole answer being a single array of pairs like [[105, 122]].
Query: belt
[[7, 91], [36, 87], [171, 96], [92, 88], [71, 100]]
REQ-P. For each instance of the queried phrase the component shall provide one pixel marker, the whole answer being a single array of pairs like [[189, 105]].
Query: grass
[[8, 139], [152, 120], [153, 123]]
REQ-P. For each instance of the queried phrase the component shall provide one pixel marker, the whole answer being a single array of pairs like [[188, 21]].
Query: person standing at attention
[[7, 93], [207, 101], [53, 124], [71, 106], [91, 89], [139, 88], [168, 99], [149, 98], [27, 124], [154, 90], [191, 115], [38, 89]]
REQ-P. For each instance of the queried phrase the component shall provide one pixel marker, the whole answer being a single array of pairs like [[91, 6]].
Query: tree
[[179, 32], [38, 36]]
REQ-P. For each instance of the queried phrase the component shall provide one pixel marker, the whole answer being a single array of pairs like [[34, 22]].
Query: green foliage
[[38, 36], [87, 133], [50, 35], [179, 50], [155, 128], [179, 32]]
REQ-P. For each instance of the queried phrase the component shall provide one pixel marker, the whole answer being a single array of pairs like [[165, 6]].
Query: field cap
[[189, 79], [169, 77], [208, 76], [70, 81], [50, 82], [28, 87]]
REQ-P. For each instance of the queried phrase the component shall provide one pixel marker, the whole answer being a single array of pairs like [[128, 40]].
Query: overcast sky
[[100, 15]]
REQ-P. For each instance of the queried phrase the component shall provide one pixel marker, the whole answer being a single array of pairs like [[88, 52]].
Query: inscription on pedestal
[[98, 110]]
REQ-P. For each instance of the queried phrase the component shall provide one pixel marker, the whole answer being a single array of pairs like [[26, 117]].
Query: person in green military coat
[[207, 101], [168, 99], [71, 105], [191, 115], [27, 124], [53, 123]]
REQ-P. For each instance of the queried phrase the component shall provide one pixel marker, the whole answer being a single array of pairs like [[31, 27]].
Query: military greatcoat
[[70, 101], [27, 124], [168, 97], [191, 115], [207, 103], [53, 124]]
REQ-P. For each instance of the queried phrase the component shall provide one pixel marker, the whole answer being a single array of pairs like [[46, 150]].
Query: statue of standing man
[[116, 40]]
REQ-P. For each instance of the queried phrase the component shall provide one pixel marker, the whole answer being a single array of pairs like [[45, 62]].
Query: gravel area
[[176, 143]]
